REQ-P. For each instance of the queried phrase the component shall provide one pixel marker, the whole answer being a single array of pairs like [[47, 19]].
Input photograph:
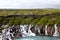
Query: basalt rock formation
[[50, 30], [59, 30]]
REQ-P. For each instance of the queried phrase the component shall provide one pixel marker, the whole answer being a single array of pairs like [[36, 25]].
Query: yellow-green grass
[[5, 12]]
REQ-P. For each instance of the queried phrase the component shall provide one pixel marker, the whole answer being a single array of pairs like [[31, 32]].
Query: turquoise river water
[[39, 38]]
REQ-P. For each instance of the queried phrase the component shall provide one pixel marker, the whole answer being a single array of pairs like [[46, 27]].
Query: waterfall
[[30, 32], [1, 36], [23, 30], [3, 33], [46, 30], [56, 31], [38, 30], [8, 34]]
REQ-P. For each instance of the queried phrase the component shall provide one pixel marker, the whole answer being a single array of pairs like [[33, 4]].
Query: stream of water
[[39, 38]]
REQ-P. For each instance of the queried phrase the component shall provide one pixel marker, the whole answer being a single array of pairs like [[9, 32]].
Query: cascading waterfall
[[23, 30], [56, 31], [38, 30], [8, 34], [30, 32], [4, 33], [1, 37], [46, 30], [11, 30]]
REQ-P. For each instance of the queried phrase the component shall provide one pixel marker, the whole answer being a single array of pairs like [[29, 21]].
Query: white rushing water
[[56, 31], [46, 30], [1, 36], [8, 34], [24, 33], [37, 28], [30, 32], [4, 34]]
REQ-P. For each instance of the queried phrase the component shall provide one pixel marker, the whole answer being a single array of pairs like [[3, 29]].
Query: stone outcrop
[[17, 31], [59, 30], [50, 30]]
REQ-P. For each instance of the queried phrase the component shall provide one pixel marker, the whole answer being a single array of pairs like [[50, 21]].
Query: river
[[39, 38]]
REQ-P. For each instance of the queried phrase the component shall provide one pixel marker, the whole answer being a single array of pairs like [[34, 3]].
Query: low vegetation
[[5, 12], [52, 18]]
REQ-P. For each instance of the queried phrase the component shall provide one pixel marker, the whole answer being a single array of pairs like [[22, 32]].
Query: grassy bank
[[52, 18], [5, 12]]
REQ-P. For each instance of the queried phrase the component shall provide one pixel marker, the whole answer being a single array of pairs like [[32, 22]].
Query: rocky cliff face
[[38, 30], [50, 30], [59, 30], [17, 31], [30, 25]]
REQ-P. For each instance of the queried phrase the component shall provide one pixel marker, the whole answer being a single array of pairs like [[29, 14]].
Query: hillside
[[5, 12], [40, 17]]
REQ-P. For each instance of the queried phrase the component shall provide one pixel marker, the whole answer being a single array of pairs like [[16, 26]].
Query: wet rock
[[16, 31], [36, 29], [59, 30], [50, 30], [42, 30]]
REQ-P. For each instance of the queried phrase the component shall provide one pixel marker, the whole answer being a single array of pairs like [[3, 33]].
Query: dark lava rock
[[50, 30]]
